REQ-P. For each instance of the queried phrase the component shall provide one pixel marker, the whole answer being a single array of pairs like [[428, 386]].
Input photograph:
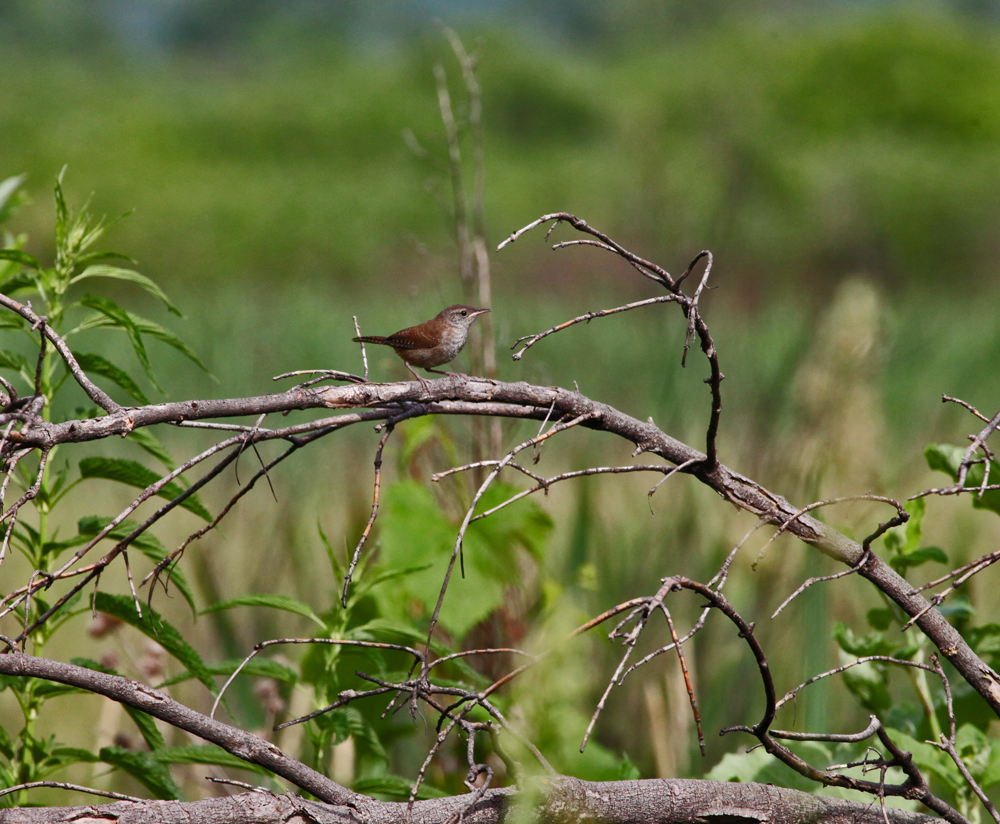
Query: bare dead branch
[[242, 744], [585, 318], [62, 785]]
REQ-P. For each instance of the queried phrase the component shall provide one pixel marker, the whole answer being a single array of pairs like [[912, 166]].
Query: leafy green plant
[[40, 379]]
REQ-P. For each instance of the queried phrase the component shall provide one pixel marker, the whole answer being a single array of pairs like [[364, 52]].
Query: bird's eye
[[465, 312]]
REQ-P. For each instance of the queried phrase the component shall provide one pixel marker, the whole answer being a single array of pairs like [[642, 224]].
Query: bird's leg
[[423, 381]]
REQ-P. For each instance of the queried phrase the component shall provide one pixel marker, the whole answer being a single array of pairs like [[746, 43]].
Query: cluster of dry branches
[[26, 431]]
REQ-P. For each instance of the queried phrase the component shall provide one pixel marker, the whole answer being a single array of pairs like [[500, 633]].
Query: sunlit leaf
[[103, 270], [17, 256]]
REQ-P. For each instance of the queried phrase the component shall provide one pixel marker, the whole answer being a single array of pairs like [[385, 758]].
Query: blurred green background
[[284, 167]]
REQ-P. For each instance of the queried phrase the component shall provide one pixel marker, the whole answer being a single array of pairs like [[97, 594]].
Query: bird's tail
[[370, 339]]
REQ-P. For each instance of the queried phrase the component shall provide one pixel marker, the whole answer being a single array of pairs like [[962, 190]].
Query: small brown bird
[[433, 342]]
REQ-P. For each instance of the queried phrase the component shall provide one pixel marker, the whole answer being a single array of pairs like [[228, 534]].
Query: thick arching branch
[[477, 396], [242, 744]]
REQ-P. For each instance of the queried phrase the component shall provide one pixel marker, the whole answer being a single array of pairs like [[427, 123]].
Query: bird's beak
[[479, 312]]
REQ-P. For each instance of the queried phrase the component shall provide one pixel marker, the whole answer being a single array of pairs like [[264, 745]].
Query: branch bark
[[242, 744], [653, 801]]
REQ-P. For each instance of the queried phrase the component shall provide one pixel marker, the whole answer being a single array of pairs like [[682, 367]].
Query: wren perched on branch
[[433, 342]]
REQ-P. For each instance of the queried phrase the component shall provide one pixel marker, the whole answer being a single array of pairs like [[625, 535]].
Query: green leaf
[[98, 257], [627, 771], [870, 685], [146, 440], [12, 285], [62, 211], [919, 556], [395, 786], [947, 458], [135, 474], [154, 330], [960, 608], [9, 199], [103, 270], [154, 776], [880, 619], [146, 543], [338, 570], [261, 667], [116, 316], [71, 755], [414, 531], [17, 256], [153, 626], [872, 643], [204, 754], [929, 758], [283, 602], [99, 365], [15, 360], [365, 738], [985, 640]]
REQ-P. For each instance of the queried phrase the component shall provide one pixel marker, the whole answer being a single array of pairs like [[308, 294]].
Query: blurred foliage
[[796, 147]]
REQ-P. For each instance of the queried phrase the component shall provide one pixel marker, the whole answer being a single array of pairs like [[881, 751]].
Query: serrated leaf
[[365, 737], [99, 365], [204, 754], [154, 776], [71, 755], [135, 474], [17, 256], [414, 530], [119, 318], [103, 270], [880, 619], [153, 626], [282, 602]]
